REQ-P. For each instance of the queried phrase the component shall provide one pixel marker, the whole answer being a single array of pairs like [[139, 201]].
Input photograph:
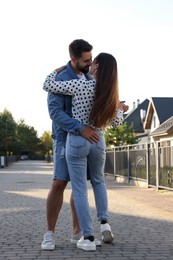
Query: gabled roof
[[165, 128], [135, 117], [163, 107]]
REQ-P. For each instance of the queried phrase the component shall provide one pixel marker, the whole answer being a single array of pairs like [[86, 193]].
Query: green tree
[[27, 140], [46, 140], [19, 138], [121, 135], [7, 132]]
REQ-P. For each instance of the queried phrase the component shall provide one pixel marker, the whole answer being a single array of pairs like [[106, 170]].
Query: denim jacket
[[59, 107]]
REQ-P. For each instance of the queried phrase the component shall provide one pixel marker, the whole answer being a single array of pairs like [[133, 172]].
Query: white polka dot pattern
[[82, 92]]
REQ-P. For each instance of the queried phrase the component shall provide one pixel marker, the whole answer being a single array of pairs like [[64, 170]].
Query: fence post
[[157, 165], [2, 161], [129, 163], [114, 163], [147, 162]]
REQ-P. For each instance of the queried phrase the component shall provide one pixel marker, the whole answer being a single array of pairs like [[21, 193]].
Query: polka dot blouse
[[82, 92]]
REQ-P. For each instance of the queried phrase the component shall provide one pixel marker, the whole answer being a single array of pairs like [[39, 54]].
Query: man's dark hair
[[77, 47]]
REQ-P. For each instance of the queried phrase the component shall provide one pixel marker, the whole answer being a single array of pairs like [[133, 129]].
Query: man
[[59, 107]]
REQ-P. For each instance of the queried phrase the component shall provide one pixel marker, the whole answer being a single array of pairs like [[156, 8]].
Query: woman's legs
[[77, 149], [96, 162]]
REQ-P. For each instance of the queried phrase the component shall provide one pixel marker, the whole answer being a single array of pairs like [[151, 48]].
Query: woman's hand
[[60, 69], [123, 106]]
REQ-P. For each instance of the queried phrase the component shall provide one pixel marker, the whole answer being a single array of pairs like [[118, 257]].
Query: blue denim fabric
[[59, 107], [79, 153], [59, 161]]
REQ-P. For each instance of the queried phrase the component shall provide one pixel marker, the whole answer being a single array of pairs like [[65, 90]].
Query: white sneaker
[[107, 235], [76, 238], [86, 244], [48, 241]]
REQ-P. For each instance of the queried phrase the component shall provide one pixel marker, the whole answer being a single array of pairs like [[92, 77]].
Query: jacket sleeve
[[61, 119]]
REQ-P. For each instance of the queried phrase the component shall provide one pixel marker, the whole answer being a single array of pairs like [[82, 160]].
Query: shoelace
[[48, 237]]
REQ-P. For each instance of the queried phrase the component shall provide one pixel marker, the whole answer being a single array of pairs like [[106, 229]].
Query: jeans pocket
[[76, 141], [77, 146]]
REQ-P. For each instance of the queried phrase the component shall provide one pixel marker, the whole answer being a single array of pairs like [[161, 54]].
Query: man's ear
[[73, 60]]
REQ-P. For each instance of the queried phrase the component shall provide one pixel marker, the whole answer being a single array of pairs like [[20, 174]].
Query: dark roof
[[135, 117], [163, 107]]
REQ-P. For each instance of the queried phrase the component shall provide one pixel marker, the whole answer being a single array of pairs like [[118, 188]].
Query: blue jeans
[[59, 161], [81, 154]]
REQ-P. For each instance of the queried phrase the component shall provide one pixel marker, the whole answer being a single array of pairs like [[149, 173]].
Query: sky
[[35, 35]]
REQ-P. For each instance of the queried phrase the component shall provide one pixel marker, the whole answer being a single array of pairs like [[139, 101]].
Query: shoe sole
[[47, 247], [87, 248], [107, 236], [97, 242]]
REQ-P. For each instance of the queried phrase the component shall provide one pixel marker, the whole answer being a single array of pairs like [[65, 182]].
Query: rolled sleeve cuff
[[79, 129]]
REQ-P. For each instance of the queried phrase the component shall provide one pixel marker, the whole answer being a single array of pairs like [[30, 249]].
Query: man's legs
[[54, 202], [55, 196]]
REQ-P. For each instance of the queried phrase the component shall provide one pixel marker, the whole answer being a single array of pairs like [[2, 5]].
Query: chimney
[[133, 105], [138, 102]]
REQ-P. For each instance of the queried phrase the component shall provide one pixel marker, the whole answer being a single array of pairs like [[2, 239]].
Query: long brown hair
[[106, 98]]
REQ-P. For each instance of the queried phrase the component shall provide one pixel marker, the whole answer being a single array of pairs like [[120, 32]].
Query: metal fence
[[7, 160], [149, 162]]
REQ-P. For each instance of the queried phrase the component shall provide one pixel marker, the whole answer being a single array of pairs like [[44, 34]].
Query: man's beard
[[82, 69]]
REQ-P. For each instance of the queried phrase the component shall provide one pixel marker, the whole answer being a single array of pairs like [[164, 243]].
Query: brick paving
[[141, 219]]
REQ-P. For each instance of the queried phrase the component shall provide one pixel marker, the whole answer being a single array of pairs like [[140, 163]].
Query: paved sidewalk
[[141, 219]]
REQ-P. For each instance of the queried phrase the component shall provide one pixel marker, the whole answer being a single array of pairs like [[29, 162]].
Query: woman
[[95, 103]]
